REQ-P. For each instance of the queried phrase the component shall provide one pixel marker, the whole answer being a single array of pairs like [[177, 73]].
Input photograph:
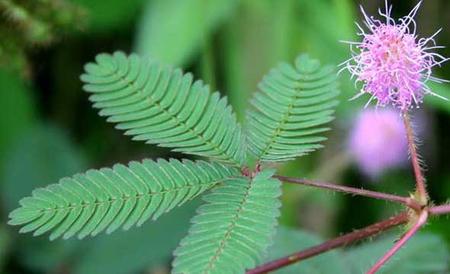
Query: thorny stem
[[423, 217], [420, 181], [340, 241], [355, 191], [440, 210], [418, 203]]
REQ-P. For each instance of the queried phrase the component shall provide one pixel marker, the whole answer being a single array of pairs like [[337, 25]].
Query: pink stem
[[340, 241], [423, 217], [440, 210], [355, 191], [420, 180]]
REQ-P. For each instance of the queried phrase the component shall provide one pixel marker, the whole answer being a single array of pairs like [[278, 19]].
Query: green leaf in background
[[128, 252], [436, 102], [258, 36], [17, 107], [110, 15], [288, 241], [27, 25], [43, 154], [317, 37], [5, 242], [424, 253], [173, 30], [264, 32], [41, 255], [232, 230], [321, 37], [46, 154]]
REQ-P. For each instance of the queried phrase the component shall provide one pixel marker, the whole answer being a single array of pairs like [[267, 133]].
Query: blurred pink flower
[[391, 62], [378, 141]]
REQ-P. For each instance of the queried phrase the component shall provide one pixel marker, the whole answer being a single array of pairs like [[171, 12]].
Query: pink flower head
[[378, 141], [391, 62]]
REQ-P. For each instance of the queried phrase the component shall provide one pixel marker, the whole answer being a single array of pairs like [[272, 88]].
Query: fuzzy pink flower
[[378, 141], [391, 62]]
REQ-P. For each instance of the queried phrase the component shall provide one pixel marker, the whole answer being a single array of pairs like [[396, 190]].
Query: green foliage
[[288, 241], [25, 24], [424, 253], [159, 105], [47, 156], [230, 44], [291, 110], [106, 199], [316, 36], [5, 242], [111, 15], [163, 106], [230, 232], [17, 105], [148, 247], [174, 30], [257, 37], [320, 37], [436, 102], [44, 256], [39, 22]]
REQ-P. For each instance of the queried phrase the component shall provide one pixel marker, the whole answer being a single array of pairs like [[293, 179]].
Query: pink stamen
[[392, 64]]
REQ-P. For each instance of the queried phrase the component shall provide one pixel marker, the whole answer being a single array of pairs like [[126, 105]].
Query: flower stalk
[[421, 192], [394, 68]]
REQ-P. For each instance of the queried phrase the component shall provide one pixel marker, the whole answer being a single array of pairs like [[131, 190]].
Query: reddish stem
[[340, 241], [420, 180], [355, 191], [440, 210], [423, 217]]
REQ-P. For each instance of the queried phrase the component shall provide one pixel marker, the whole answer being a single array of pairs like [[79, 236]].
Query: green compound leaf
[[163, 106], [232, 230], [106, 199], [291, 110]]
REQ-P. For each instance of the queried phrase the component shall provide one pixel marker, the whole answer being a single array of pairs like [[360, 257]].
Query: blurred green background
[[48, 129]]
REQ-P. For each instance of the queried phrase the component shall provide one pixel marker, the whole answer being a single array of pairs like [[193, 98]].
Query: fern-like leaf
[[291, 109], [231, 231], [109, 198], [163, 106]]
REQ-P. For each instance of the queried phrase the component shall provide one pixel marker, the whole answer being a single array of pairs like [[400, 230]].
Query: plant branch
[[440, 210], [355, 191], [340, 241], [420, 180], [423, 217]]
